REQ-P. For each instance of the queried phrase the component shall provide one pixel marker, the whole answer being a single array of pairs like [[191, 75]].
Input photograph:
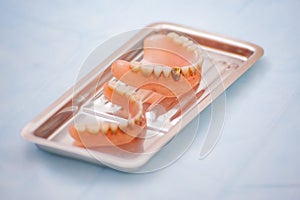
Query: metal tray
[[225, 60]]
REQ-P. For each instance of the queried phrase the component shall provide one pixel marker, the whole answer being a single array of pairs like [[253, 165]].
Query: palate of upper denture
[[171, 65], [112, 133]]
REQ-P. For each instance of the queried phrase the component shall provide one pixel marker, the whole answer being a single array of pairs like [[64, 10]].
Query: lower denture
[[110, 133]]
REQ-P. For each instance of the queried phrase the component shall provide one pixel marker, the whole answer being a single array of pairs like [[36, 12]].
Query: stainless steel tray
[[225, 60]]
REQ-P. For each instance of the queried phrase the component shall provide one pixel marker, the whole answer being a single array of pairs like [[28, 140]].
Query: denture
[[111, 133], [171, 66]]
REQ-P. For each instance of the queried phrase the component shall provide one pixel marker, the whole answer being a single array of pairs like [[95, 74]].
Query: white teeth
[[123, 125], [135, 66], [193, 69], [192, 47], [79, 127], [147, 70], [185, 70], [166, 71], [134, 98], [120, 89], [104, 127], [177, 40], [199, 65], [172, 35], [183, 39], [93, 128], [112, 84], [157, 71], [130, 122], [113, 128], [138, 116], [199, 53], [187, 43], [129, 91]]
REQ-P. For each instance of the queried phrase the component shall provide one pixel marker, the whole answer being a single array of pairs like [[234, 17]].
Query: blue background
[[42, 46]]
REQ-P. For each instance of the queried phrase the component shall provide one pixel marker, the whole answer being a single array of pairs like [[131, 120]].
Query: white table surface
[[42, 45]]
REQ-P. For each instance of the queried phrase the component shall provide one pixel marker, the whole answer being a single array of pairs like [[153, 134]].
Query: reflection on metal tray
[[225, 60]]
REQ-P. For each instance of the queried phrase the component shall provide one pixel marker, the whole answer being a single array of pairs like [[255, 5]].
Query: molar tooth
[[113, 127], [147, 70], [192, 47], [166, 71], [112, 84], [135, 66], [185, 70], [183, 39], [177, 40], [187, 43], [79, 127], [93, 128], [120, 89], [157, 70], [134, 98], [129, 91], [104, 127], [176, 73], [172, 35]]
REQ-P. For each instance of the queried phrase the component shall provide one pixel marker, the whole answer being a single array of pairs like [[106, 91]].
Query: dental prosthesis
[[171, 67]]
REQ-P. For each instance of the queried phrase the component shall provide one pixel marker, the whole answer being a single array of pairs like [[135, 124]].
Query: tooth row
[[189, 45], [165, 71], [121, 89], [128, 91], [105, 127], [95, 128], [184, 41]]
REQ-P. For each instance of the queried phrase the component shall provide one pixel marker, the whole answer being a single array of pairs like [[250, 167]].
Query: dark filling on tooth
[[176, 73]]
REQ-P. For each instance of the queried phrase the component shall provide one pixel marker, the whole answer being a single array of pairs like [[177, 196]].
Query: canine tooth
[[147, 70], [192, 47], [185, 70], [157, 71], [93, 128], [172, 35], [166, 71], [104, 127], [79, 127], [176, 73], [135, 66], [113, 127]]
